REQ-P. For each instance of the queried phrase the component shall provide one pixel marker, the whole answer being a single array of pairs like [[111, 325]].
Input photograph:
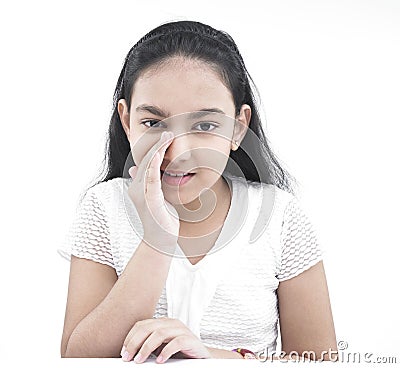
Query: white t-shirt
[[228, 299]]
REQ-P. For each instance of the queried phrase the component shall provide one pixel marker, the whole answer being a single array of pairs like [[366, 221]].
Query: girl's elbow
[[75, 347]]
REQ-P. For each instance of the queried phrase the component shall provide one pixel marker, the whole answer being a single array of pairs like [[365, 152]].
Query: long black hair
[[197, 41]]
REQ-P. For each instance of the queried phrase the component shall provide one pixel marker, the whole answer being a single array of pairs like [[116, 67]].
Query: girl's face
[[166, 99]]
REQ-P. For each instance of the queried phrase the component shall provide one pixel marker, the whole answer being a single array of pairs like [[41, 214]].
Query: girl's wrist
[[245, 353], [224, 354]]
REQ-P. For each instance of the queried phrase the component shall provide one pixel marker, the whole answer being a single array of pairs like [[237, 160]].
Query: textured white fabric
[[89, 235], [228, 298], [299, 241], [194, 285]]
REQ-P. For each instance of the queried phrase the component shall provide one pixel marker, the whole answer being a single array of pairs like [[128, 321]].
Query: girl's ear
[[241, 124], [124, 116]]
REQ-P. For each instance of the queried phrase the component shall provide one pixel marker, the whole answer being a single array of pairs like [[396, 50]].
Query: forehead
[[182, 85]]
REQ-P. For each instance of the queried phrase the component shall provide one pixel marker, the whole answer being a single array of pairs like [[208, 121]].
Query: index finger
[[144, 165]]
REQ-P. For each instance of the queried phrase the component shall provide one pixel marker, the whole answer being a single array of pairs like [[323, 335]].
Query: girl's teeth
[[176, 174]]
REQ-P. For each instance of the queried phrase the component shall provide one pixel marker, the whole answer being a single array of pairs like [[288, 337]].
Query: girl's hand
[[159, 218], [165, 335]]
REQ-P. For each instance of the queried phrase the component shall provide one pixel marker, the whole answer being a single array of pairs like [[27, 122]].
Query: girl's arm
[[101, 308], [306, 320]]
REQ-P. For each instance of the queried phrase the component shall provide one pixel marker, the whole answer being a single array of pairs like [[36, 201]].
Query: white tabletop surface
[[209, 363], [75, 362]]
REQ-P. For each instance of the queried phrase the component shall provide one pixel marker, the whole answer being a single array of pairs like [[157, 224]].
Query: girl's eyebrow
[[151, 109], [193, 115]]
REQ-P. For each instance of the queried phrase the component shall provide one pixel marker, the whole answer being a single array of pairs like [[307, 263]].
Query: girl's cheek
[[138, 150], [140, 145], [136, 156]]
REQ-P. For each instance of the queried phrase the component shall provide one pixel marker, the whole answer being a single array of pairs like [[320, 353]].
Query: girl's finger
[[153, 182], [150, 324], [179, 343], [151, 342], [133, 171], [133, 343], [165, 146], [141, 330], [152, 179], [150, 154]]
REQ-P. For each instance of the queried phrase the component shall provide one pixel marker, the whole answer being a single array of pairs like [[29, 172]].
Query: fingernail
[[164, 135], [131, 171], [123, 351], [160, 358], [138, 358]]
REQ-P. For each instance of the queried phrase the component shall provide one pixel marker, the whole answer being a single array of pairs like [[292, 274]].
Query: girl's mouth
[[175, 180]]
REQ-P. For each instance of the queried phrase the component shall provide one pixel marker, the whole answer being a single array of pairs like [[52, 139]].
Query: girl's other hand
[[163, 337], [159, 218]]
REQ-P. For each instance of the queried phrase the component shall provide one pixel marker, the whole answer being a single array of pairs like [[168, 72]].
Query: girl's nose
[[179, 149]]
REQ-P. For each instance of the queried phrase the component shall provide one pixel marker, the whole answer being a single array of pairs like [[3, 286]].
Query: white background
[[329, 78]]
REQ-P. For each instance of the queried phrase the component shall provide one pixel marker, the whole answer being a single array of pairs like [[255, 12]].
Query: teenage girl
[[193, 245]]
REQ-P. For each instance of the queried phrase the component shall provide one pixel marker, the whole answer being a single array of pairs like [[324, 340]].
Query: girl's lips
[[176, 172], [175, 180]]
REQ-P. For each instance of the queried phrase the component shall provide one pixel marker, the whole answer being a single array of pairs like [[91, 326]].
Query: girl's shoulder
[[109, 187], [256, 189], [109, 193], [264, 203]]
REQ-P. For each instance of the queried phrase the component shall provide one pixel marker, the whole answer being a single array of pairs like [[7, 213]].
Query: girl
[[193, 245]]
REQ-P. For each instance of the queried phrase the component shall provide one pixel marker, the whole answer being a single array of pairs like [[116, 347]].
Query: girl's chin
[[180, 199]]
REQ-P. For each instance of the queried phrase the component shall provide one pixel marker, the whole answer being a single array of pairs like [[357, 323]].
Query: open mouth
[[172, 179]]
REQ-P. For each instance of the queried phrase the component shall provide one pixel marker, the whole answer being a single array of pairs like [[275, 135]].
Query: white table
[[209, 363], [110, 363]]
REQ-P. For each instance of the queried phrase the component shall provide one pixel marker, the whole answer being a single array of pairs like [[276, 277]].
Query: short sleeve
[[89, 235], [299, 243]]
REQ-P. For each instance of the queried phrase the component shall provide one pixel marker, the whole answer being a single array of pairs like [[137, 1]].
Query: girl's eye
[[207, 125], [151, 121], [204, 127]]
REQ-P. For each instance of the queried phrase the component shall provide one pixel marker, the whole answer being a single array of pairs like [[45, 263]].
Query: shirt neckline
[[207, 258]]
